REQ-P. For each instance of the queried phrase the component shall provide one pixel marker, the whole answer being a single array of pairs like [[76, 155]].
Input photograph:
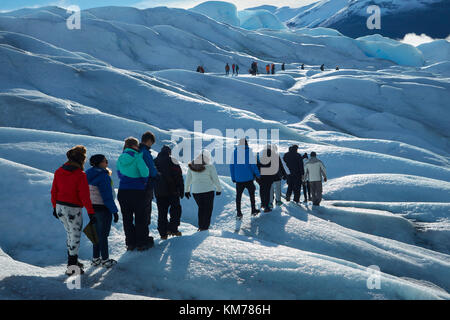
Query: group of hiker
[[269, 169], [142, 178], [234, 68], [270, 68]]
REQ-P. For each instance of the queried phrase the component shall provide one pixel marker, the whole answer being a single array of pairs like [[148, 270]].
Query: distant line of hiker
[[270, 68], [141, 177]]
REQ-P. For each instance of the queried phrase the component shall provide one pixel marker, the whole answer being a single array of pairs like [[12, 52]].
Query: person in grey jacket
[[314, 171]]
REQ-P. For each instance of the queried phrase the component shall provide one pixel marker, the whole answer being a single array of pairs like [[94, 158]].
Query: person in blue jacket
[[244, 170], [102, 197], [148, 139], [133, 174]]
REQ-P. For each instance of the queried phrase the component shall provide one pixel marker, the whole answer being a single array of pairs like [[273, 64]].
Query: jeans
[[240, 187], [135, 223], [205, 202], [294, 185], [103, 226], [164, 203], [307, 190], [264, 190], [316, 190], [148, 203], [275, 188]]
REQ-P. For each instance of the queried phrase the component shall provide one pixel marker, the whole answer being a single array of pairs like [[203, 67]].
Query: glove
[[218, 193], [325, 179], [92, 218], [284, 177], [54, 213], [187, 195], [116, 217], [181, 195], [258, 179]]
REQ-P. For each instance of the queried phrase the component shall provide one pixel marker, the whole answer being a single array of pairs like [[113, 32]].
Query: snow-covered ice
[[379, 123]]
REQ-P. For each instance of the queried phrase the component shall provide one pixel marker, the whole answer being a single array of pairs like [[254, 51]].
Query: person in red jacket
[[70, 193]]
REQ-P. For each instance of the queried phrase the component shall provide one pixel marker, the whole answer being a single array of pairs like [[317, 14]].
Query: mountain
[[350, 17]]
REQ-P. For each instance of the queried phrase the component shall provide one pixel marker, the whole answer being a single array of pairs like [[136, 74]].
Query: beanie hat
[[77, 154], [96, 159]]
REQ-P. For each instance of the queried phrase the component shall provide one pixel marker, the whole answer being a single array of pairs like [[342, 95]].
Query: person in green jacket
[[133, 174]]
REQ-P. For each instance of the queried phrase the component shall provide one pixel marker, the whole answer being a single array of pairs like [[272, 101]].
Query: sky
[[84, 4]]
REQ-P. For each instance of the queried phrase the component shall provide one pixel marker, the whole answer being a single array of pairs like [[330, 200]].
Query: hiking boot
[[109, 263], [131, 248], [174, 234], [239, 216], [279, 203], [255, 212], [96, 262], [163, 237], [268, 209]]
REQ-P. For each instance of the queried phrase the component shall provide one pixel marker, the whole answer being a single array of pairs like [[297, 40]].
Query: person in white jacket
[[202, 181], [314, 171]]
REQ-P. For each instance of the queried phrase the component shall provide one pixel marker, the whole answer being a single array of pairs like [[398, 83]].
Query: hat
[[95, 160], [77, 154]]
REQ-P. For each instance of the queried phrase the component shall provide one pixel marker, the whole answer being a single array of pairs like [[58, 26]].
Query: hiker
[[102, 198], [69, 194], [303, 66], [273, 68], [283, 67], [200, 69], [314, 171], [234, 68], [254, 68], [243, 170], [237, 70], [268, 69], [227, 69], [268, 166], [306, 186], [133, 174], [147, 140], [294, 162], [202, 181], [169, 190], [337, 67], [276, 185], [322, 67]]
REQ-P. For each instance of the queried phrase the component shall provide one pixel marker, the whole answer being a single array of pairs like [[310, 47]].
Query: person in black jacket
[[294, 162], [169, 190], [269, 166]]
